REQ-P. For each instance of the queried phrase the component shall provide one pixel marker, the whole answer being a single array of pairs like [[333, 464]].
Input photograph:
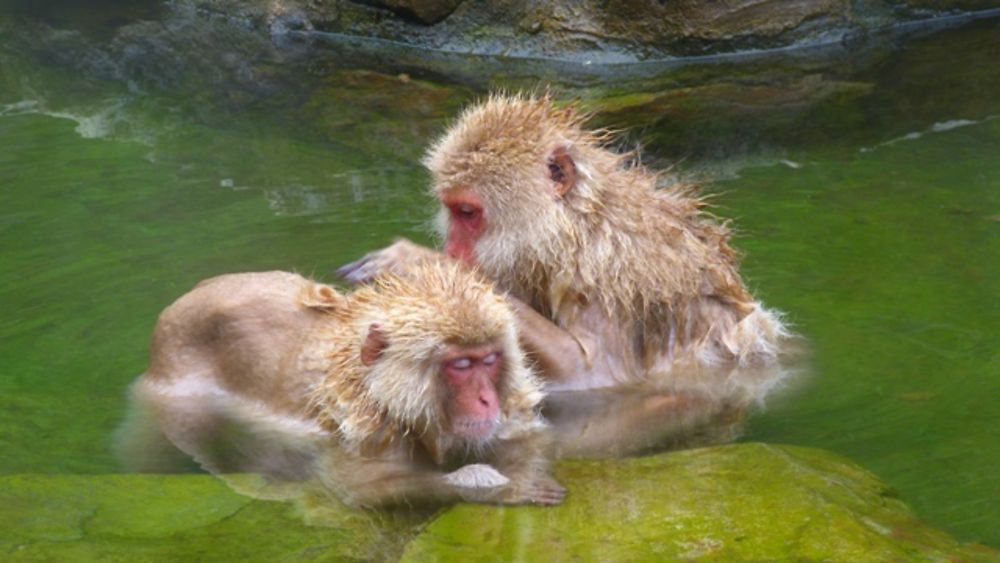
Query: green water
[[137, 159], [888, 261]]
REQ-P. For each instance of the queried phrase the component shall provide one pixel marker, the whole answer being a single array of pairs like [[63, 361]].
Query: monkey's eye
[[556, 172], [466, 210], [461, 363], [491, 359]]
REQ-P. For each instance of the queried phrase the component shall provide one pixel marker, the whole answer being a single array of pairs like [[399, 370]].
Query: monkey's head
[[511, 174], [435, 356]]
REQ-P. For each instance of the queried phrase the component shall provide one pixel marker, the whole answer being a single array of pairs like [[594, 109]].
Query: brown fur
[[638, 275], [262, 372]]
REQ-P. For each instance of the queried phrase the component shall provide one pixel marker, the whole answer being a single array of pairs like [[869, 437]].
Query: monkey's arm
[[637, 419], [559, 355], [395, 258], [525, 459], [379, 482]]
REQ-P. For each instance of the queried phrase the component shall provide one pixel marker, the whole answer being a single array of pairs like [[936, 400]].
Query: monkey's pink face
[[471, 377], [537, 183], [466, 223]]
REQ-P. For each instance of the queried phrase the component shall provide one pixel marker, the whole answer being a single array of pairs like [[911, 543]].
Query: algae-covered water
[[144, 148]]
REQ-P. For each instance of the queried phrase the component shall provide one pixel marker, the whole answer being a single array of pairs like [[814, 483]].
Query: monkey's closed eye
[[491, 359], [461, 363], [556, 172]]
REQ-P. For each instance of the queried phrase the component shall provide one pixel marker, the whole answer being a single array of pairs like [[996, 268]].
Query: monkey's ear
[[562, 171], [374, 344], [321, 297]]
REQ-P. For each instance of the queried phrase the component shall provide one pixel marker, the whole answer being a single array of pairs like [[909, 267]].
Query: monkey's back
[[247, 333]]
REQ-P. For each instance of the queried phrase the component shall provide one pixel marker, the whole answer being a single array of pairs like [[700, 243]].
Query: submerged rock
[[745, 502], [736, 502], [387, 117], [132, 518]]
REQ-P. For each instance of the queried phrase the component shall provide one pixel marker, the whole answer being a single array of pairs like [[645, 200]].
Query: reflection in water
[[269, 462], [940, 127], [612, 423], [694, 410], [376, 186]]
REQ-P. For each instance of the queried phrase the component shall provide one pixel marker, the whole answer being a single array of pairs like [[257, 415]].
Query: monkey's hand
[[395, 258], [544, 491]]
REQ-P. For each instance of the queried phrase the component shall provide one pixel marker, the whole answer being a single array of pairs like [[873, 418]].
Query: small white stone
[[476, 476]]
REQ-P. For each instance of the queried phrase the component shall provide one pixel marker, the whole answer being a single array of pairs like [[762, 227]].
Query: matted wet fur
[[632, 278]]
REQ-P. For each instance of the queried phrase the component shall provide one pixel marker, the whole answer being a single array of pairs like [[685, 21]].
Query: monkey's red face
[[471, 375], [466, 223]]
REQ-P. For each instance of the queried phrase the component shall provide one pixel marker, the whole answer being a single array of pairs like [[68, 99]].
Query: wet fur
[[645, 279], [261, 372]]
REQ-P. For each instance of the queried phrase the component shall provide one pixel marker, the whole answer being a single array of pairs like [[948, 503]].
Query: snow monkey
[[411, 389], [614, 279]]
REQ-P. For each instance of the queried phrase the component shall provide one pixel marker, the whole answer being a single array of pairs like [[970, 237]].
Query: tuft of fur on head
[[420, 313]]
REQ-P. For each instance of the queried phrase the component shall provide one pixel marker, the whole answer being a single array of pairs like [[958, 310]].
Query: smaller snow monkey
[[411, 389], [614, 279]]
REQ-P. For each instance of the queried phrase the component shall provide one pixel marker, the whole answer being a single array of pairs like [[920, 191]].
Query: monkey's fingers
[[368, 267], [548, 493], [360, 271], [396, 257]]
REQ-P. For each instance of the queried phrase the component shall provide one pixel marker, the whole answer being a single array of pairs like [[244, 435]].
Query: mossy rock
[[739, 502], [134, 518]]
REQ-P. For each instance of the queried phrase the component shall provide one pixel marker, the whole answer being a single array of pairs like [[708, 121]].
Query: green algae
[[740, 502], [736, 502], [182, 518]]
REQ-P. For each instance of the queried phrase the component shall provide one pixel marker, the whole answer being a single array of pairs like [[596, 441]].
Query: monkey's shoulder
[[243, 294]]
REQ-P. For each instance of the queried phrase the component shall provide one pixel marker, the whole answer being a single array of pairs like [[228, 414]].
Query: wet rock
[[426, 11], [698, 25], [601, 30], [282, 21], [957, 5], [747, 502]]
